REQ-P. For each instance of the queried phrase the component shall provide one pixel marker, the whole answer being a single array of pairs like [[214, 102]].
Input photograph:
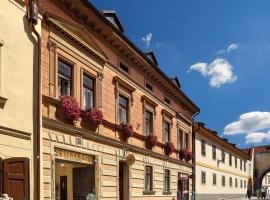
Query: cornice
[[66, 128], [15, 133]]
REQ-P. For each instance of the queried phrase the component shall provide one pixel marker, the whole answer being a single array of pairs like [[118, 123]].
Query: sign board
[[73, 156]]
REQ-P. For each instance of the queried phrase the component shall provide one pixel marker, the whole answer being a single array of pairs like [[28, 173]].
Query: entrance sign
[[73, 156]]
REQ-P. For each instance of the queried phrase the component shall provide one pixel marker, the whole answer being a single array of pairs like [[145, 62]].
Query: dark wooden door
[[83, 182], [63, 185], [121, 181], [16, 178]]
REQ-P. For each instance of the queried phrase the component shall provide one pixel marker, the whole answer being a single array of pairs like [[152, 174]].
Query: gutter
[[194, 156], [32, 15]]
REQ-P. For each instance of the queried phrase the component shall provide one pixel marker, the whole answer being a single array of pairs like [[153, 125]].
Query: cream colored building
[[16, 100], [266, 183], [222, 170]]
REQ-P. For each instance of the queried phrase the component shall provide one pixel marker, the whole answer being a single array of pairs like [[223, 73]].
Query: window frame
[[236, 182], [94, 91], [151, 178], [166, 121], [214, 179], [230, 159], [231, 182], [147, 83], [223, 156], [128, 107], [151, 123], [203, 147], [121, 65], [235, 162], [214, 152], [223, 181], [167, 188], [180, 139], [72, 66], [203, 178]]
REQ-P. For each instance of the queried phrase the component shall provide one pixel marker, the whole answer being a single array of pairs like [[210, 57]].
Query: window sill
[[3, 101], [166, 192], [148, 192]]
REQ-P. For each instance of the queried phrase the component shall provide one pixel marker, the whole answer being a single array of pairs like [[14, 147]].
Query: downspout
[[32, 16], [194, 155]]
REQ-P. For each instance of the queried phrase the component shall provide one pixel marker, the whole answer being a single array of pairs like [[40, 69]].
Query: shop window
[[203, 178], [64, 78], [203, 148], [167, 131], [148, 178], [123, 109], [88, 92], [148, 120], [214, 179], [167, 180], [214, 152], [223, 181]]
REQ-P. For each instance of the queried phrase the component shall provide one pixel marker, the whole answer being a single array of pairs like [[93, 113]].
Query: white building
[[266, 183], [222, 170]]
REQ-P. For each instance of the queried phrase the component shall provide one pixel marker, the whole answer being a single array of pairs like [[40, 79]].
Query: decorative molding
[[15, 133]]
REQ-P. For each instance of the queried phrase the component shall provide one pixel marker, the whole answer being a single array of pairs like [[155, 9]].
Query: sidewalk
[[253, 198]]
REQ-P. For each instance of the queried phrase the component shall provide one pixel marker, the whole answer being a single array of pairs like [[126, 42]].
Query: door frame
[[127, 194]]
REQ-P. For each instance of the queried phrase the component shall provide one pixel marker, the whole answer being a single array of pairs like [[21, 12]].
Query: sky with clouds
[[220, 50]]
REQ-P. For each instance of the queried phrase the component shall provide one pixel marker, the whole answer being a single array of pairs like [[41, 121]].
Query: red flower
[[151, 140], [127, 129], [95, 116], [189, 155], [69, 109], [169, 148], [183, 154]]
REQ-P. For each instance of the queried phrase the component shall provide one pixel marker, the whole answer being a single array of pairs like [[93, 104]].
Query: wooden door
[[83, 182], [63, 185], [121, 181], [16, 178]]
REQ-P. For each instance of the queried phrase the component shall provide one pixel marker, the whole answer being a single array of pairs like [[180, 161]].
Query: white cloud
[[219, 71], [248, 123], [257, 137], [147, 39], [231, 47]]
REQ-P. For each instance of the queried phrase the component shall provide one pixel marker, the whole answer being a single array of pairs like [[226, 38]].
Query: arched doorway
[[264, 181]]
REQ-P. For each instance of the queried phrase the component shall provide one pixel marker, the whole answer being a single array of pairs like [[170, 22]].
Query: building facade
[[88, 66], [222, 170], [16, 100], [266, 183]]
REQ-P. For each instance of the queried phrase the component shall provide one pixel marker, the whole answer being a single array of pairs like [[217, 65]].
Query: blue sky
[[225, 46]]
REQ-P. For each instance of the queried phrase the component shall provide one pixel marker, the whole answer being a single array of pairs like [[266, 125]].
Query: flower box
[[169, 148], [68, 109], [151, 141], [127, 130]]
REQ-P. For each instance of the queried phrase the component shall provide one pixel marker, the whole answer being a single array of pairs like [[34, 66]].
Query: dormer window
[[124, 68], [167, 101], [149, 86]]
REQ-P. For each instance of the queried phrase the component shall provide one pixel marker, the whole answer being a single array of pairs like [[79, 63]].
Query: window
[[180, 139], [203, 178], [265, 178], [235, 160], [231, 184], [88, 92], [245, 166], [241, 183], [186, 141], [245, 184], [268, 179], [148, 178], [203, 147], [241, 164], [148, 120], [223, 181], [167, 101], [214, 179], [64, 78], [223, 156], [214, 152], [236, 182], [167, 131], [124, 68], [123, 109], [149, 86], [230, 159], [167, 180]]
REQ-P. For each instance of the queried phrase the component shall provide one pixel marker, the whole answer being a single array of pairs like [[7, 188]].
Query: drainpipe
[[32, 16], [194, 155]]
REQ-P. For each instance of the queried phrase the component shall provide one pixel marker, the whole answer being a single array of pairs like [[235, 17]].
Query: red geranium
[[189, 155], [127, 129], [183, 154], [151, 140], [69, 109], [95, 116], [169, 148]]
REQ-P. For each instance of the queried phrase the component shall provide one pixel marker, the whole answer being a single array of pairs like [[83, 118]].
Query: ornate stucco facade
[[76, 34], [222, 170]]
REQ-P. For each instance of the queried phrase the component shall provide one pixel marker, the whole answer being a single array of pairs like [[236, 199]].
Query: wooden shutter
[[16, 178]]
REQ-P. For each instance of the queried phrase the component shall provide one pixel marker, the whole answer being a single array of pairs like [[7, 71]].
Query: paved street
[[253, 198]]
